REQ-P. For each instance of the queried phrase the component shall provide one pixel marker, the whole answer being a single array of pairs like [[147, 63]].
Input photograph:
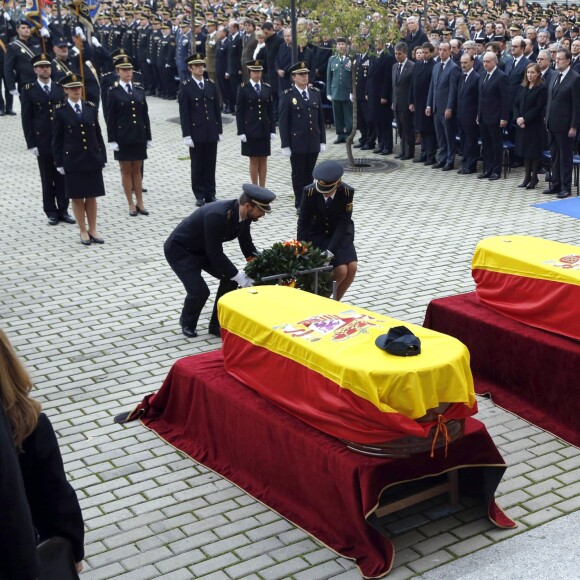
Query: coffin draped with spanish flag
[[531, 280], [316, 358]]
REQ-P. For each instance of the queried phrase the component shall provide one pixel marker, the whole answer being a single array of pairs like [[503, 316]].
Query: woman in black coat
[[53, 503], [129, 132], [79, 154], [325, 219], [529, 109], [255, 121]]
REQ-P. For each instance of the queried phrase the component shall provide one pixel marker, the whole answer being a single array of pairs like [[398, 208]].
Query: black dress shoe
[[367, 147], [377, 150], [339, 140], [144, 190], [399, 156], [484, 175], [447, 168], [12, 113], [2, 113], [523, 185], [494, 177], [387, 152], [430, 161], [357, 145], [86, 242], [550, 191], [133, 213], [215, 330], [95, 240], [189, 332], [67, 218], [142, 211], [419, 160], [199, 202], [563, 194], [52, 221], [214, 198], [438, 166]]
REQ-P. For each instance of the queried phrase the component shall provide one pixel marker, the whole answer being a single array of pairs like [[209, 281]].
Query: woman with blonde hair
[[53, 502]]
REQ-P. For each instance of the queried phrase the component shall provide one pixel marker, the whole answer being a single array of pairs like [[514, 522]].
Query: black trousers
[[188, 268], [366, 138], [406, 129], [302, 168], [561, 162], [491, 147], [54, 199], [203, 161], [469, 135], [4, 105]]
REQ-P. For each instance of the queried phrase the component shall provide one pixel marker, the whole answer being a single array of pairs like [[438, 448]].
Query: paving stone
[[430, 561], [434, 544], [541, 517], [289, 567]]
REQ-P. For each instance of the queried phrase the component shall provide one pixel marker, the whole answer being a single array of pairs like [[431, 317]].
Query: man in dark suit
[[402, 75], [441, 103], [201, 127], [563, 120], [283, 62], [273, 43], [422, 73], [379, 98], [492, 116], [38, 100], [416, 36], [196, 246], [221, 68], [548, 74], [515, 69], [234, 72], [467, 101], [576, 56], [363, 64], [302, 128]]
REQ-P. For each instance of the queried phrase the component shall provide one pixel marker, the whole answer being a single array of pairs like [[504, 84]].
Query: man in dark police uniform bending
[[196, 245]]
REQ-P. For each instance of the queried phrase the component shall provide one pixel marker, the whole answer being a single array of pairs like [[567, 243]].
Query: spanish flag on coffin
[[316, 358], [530, 280]]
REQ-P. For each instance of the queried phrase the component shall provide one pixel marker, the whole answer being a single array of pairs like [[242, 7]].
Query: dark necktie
[[328, 202], [257, 87], [78, 110], [558, 81], [486, 78], [46, 90], [201, 85], [129, 90], [465, 77], [443, 66], [305, 96]]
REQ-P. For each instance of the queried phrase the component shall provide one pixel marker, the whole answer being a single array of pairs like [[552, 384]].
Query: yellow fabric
[[266, 316], [529, 257]]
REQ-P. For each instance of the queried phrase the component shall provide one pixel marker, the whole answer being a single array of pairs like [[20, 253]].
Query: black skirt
[[256, 148], [343, 255], [132, 152], [84, 185]]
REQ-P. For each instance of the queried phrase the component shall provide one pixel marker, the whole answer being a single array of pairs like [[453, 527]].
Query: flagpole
[[79, 44]]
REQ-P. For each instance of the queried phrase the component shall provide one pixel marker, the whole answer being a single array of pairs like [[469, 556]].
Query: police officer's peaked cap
[[196, 58], [124, 62], [40, 59], [119, 53], [299, 67], [70, 81], [165, 24], [260, 196], [327, 175], [60, 41], [185, 22], [254, 65]]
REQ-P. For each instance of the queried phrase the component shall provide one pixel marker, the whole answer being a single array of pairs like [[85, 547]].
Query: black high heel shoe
[[142, 211], [95, 240], [86, 242]]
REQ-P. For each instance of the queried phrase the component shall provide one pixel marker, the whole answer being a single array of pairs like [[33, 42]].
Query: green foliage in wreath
[[291, 258]]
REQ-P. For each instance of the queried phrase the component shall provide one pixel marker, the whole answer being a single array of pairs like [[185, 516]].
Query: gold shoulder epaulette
[[314, 89], [210, 81], [28, 86], [90, 103], [310, 192], [59, 105], [266, 84], [243, 85], [348, 190], [116, 84], [287, 91], [229, 215]]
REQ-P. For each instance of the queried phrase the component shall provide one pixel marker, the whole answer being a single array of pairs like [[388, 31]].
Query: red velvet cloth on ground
[[311, 479], [528, 371]]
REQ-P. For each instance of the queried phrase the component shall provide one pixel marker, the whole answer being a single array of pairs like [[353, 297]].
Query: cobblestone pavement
[[98, 329]]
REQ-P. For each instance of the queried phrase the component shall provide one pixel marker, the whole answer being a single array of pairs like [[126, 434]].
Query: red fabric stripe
[[540, 303], [318, 401]]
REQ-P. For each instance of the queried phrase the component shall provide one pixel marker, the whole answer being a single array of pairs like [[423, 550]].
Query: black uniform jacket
[[53, 502], [77, 144], [327, 228], [205, 230], [62, 68], [127, 116], [199, 111], [301, 124], [18, 67], [38, 114], [255, 113]]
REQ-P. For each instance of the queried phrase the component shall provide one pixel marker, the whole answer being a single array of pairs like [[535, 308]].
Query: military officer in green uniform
[[339, 90]]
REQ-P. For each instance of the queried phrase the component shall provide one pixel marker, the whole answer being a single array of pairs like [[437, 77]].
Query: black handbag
[[56, 560]]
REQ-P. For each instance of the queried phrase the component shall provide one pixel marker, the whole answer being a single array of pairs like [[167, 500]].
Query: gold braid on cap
[[330, 186]]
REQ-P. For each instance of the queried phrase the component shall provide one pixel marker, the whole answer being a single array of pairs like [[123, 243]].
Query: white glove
[[150, 145], [243, 138], [322, 147], [329, 97], [272, 136], [219, 138], [14, 92], [95, 42], [79, 32], [114, 146], [6, 16], [286, 151], [328, 255], [34, 151], [44, 32], [148, 61], [167, 66], [188, 142], [243, 280], [350, 96], [60, 170], [75, 50]]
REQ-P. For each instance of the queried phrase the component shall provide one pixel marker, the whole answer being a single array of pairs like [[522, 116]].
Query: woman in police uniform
[[129, 132], [79, 154], [325, 219], [255, 120]]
